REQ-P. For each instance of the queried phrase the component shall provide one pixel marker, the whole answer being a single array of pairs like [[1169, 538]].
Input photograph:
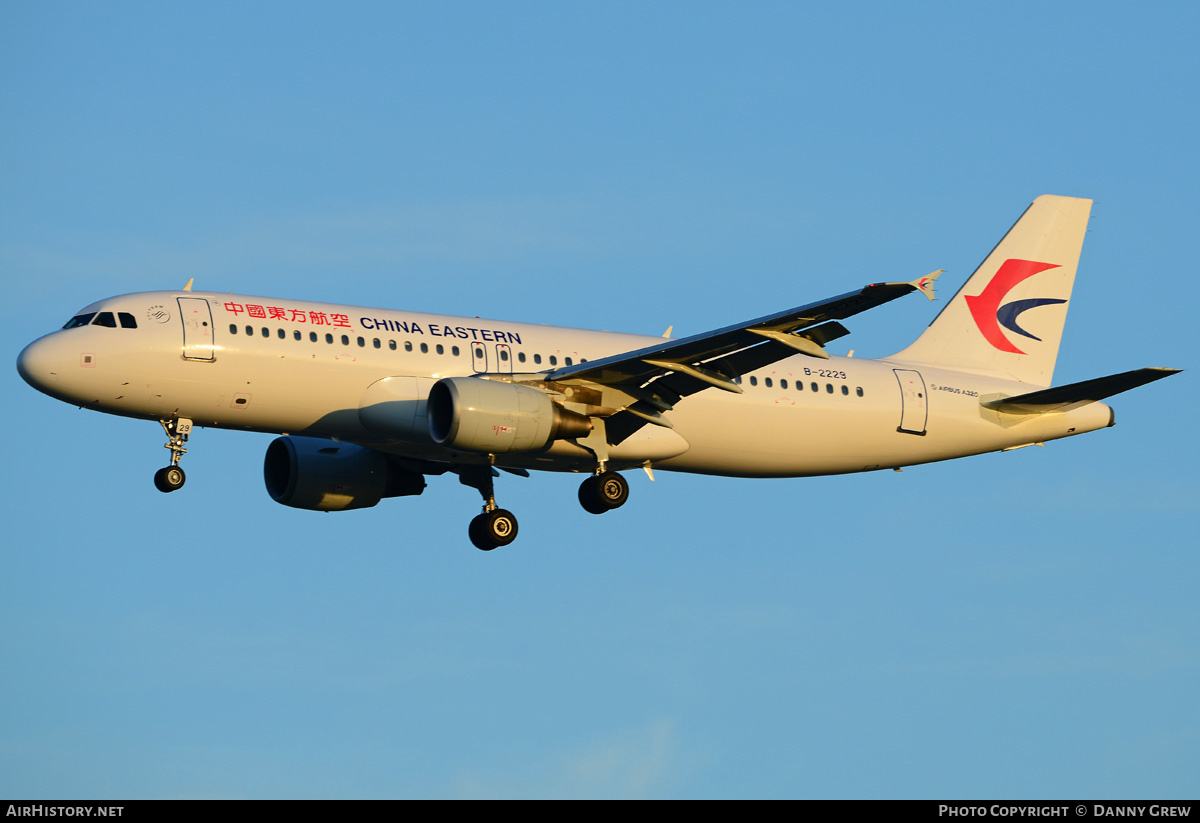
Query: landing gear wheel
[[169, 479], [493, 529], [603, 492]]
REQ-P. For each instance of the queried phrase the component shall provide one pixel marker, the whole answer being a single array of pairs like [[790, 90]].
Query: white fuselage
[[288, 366]]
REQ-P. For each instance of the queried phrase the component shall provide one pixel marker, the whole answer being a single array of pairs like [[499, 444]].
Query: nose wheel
[[603, 492], [171, 478]]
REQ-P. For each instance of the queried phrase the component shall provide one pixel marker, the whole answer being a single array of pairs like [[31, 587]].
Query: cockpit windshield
[[79, 320], [105, 318]]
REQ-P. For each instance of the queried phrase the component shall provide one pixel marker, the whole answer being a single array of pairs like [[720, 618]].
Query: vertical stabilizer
[[1007, 319]]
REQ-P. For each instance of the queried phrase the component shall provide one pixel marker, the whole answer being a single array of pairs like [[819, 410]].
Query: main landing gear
[[171, 477], [604, 491], [495, 527]]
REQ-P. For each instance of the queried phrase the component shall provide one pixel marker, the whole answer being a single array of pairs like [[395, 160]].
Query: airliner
[[368, 402]]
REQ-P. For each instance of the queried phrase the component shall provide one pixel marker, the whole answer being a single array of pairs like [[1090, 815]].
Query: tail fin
[[1007, 319]]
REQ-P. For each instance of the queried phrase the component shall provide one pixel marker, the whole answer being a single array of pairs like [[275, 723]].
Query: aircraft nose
[[40, 364]]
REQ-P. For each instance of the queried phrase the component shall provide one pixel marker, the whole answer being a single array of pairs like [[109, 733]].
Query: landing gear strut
[[603, 492], [495, 527], [171, 477]]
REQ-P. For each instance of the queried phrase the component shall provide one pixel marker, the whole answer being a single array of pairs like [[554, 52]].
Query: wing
[[652, 380]]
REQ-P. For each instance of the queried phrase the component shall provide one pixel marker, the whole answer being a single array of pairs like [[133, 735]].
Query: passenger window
[[329, 338], [859, 391], [282, 334], [753, 381], [312, 336], [345, 340], [454, 350], [440, 349], [79, 320], [479, 352], [520, 357], [106, 319], [553, 360], [829, 388], [537, 358], [504, 355], [266, 332], [408, 345], [250, 331], [814, 387], [296, 334], [127, 320], [361, 343], [767, 382], [392, 345], [845, 389], [233, 328], [783, 384], [424, 348], [376, 342]]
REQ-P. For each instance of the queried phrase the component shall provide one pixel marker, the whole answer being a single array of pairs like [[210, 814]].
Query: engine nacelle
[[395, 407], [321, 475], [489, 416]]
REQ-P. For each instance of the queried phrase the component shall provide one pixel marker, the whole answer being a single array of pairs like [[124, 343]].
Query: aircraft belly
[[244, 392], [790, 439]]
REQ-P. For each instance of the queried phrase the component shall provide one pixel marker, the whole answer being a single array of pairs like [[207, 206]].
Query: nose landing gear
[[171, 477]]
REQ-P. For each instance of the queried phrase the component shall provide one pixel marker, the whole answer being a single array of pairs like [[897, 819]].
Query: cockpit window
[[79, 320], [107, 319]]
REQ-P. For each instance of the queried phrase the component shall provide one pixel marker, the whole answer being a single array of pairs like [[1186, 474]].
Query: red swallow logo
[[989, 314]]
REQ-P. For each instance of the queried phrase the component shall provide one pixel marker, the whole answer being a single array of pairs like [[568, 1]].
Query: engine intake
[[321, 475], [473, 414]]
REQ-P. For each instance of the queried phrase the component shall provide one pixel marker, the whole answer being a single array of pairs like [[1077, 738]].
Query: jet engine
[[493, 417], [321, 475]]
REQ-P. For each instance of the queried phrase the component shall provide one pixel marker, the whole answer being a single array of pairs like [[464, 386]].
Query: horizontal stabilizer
[[1074, 395]]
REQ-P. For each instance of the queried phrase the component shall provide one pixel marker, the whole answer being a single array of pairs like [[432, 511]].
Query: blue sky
[[1014, 625]]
